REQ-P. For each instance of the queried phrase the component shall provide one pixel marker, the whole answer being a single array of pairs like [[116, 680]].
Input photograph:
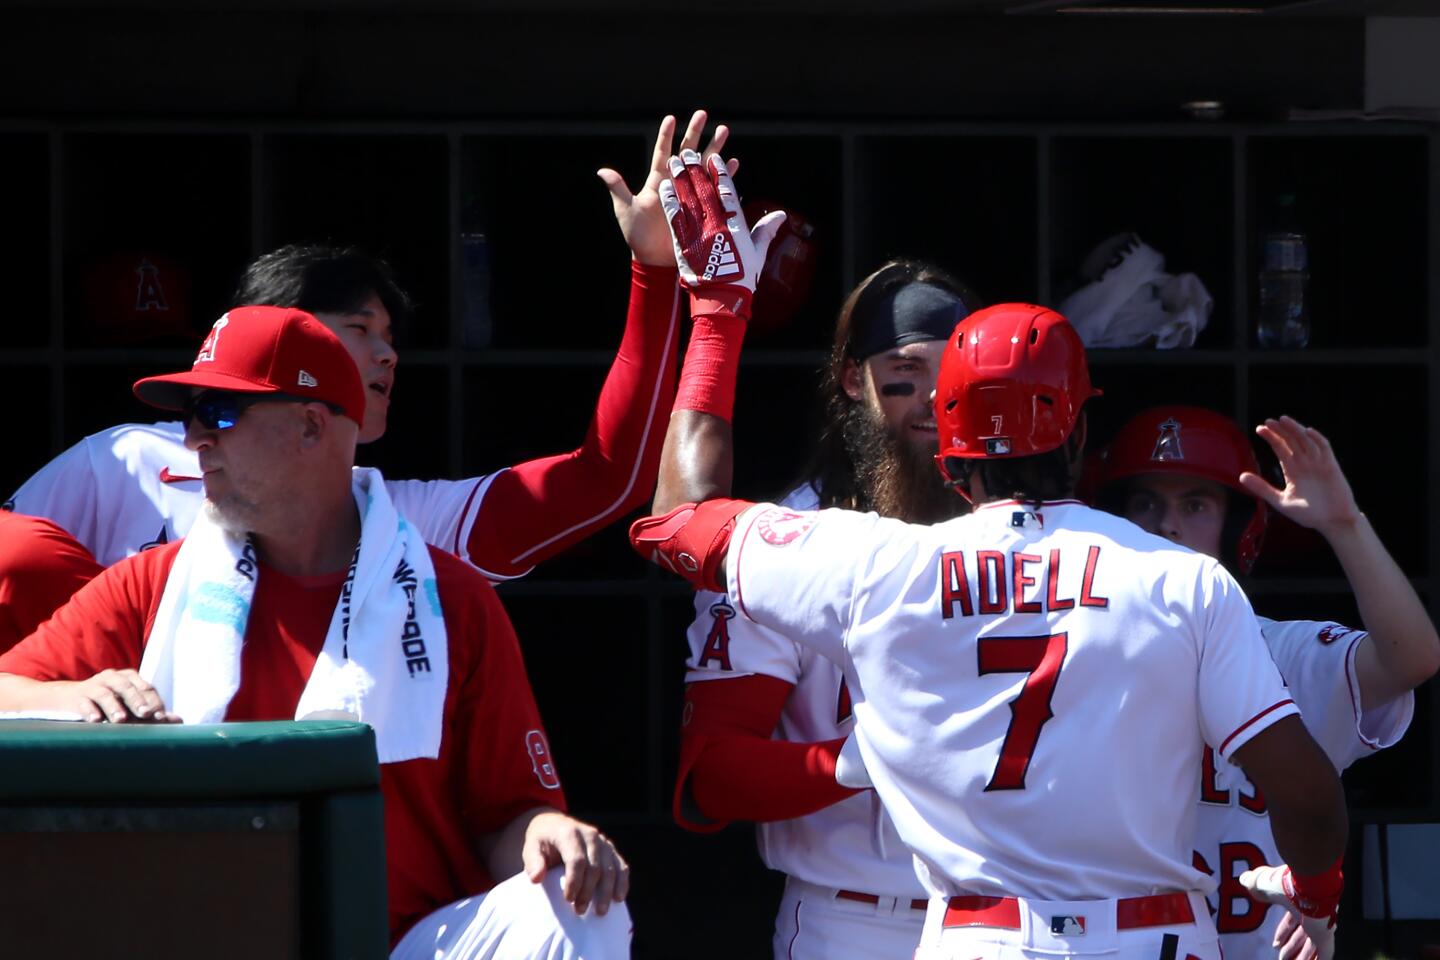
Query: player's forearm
[[503, 850], [1310, 836], [750, 778], [24, 693], [1403, 649], [697, 461]]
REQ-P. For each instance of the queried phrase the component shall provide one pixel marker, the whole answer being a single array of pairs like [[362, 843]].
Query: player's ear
[[315, 423], [850, 377]]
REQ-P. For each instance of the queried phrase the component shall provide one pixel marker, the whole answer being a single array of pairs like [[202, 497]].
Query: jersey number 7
[[1040, 657]]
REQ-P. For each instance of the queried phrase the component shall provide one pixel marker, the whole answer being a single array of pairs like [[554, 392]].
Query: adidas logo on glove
[[721, 262]]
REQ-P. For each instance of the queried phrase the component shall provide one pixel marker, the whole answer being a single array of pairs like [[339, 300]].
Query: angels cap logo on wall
[[1167, 445], [212, 340], [149, 294]]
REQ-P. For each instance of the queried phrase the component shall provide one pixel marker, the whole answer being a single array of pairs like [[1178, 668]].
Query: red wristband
[[1318, 894], [712, 360]]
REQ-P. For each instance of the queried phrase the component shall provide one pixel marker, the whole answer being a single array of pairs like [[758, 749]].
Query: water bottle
[[475, 322], [1284, 279]]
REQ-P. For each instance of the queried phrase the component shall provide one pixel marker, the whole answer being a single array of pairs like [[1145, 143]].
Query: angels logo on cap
[[1167, 445], [212, 340]]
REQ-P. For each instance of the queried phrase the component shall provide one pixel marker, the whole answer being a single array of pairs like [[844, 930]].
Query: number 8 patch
[[539, 750]]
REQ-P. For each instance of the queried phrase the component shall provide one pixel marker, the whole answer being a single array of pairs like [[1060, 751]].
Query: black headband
[[908, 314]]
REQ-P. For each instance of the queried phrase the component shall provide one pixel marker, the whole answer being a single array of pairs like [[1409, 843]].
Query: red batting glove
[[719, 256]]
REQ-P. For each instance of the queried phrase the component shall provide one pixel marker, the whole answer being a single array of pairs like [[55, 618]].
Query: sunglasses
[[219, 410]]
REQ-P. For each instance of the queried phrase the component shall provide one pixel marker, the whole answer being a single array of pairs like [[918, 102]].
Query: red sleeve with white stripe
[[1241, 691], [539, 508]]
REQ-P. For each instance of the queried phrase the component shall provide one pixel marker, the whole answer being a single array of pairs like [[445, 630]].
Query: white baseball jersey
[[1317, 660], [1032, 687], [850, 845], [136, 486]]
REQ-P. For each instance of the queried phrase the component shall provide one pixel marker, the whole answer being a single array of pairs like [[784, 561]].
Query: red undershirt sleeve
[[731, 769], [537, 509]]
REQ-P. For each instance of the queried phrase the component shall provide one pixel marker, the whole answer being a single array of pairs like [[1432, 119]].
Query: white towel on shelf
[[385, 660], [1132, 300]]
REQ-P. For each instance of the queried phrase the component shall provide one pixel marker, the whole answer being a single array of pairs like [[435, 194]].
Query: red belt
[[1160, 910], [871, 898]]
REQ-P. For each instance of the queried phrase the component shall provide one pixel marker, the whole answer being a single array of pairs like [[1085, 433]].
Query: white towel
[[1132, 300], [385, 660]]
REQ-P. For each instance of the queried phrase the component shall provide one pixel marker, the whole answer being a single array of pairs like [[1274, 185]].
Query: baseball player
[[1190, 475], [136, 485], [761, 745], [1032, 683]]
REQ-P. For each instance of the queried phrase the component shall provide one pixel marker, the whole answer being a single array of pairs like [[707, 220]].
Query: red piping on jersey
[[1251, 722], [465, 513], [650, 417], [1351, 683]]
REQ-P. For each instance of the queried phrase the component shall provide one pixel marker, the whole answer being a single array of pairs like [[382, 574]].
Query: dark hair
[[831, 470], [319, 278], [1051, 475]]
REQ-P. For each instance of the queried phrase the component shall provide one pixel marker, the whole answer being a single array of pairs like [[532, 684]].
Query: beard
[[895, 477], [231, 516]]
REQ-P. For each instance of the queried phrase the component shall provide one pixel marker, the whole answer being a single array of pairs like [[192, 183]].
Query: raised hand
[[1316, 493], [641, 220], [719, 256]]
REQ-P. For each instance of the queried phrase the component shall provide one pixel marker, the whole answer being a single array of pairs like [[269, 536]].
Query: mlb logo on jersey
[[1067, 926]]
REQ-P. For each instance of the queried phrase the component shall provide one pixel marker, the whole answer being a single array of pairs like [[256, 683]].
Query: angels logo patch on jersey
[[1332, 632], [717, 641], [1167, 445], [778, 526], [212, 340]]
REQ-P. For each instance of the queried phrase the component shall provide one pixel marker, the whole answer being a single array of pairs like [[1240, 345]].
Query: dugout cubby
[[152, 242], [387, 193], [1175, 190], [25, 242], [25, 387], [966, 203], [527, 200], [1364, 205]]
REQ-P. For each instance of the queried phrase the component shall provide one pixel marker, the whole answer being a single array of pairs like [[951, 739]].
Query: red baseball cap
[[266, 350]]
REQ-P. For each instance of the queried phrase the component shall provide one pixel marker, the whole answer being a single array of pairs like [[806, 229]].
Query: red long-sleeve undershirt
[[539, 508], [731, 769]]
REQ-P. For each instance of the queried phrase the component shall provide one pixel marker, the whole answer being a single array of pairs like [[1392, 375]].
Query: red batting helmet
[[1191, 441], [1012, 382]]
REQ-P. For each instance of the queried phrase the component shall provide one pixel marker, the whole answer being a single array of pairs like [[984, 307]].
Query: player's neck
[[319, 538]]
